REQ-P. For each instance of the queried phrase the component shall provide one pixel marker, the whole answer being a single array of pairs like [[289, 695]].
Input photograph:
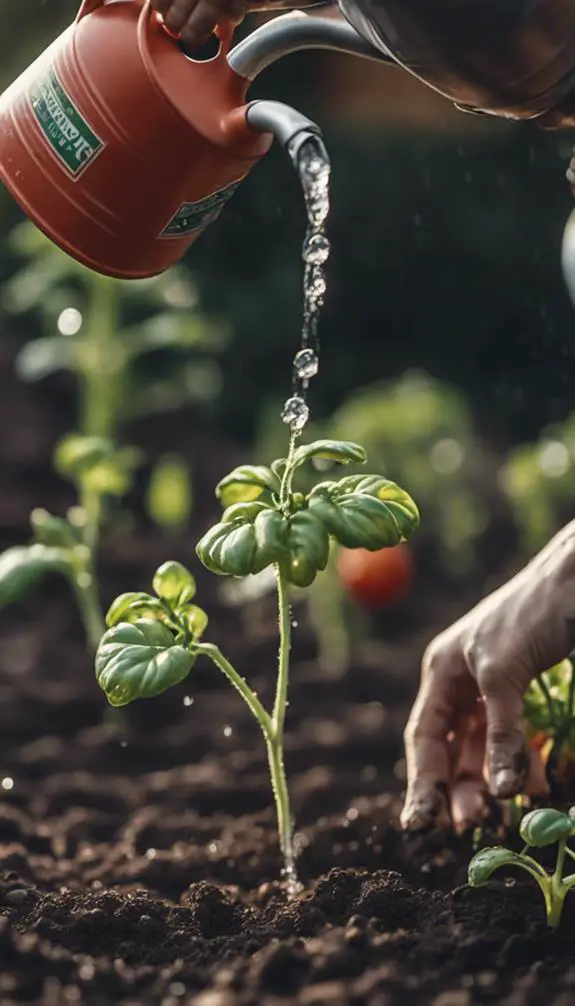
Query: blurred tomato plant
[[113, 337]]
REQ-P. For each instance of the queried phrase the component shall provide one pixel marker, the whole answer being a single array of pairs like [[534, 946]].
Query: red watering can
[[122, 148]]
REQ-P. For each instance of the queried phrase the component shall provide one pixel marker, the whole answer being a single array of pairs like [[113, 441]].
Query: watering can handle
[[223, 32]]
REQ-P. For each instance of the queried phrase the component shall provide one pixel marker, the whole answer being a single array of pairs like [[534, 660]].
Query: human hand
[[465, 735], [195, 20]]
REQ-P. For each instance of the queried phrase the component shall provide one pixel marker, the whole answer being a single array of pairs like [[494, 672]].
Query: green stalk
[[83, 573], [101, 362], [240, 684], [557, 891], [272, 726], [275, 738]]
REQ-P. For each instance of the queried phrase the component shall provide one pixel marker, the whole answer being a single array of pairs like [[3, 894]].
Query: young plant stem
[[103, 362], [272, 726], [557, 891], [83, 573], [240, 684], [275, 740], [286, 484]]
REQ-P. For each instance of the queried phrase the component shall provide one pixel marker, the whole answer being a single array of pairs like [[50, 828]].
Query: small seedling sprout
[[538, 829], [153, 641]]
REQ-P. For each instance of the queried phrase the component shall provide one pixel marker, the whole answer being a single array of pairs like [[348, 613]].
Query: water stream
[[311, 162], [312, 165]]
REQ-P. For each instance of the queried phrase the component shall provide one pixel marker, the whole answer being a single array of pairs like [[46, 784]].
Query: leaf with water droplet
[[486, 862]]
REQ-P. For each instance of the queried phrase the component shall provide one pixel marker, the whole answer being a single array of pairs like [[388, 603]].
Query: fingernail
[[505, 783]]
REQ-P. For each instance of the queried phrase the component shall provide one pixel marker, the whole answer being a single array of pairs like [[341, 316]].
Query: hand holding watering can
[[195, 20]]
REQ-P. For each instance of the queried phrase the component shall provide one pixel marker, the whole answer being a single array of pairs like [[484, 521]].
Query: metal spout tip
[[289, 127]]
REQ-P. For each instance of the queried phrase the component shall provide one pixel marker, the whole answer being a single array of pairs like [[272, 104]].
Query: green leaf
[[140, 661], [342, 451], [41, 357], [97, 463], [50, 530], [196, 619], [207, 549], [76, 454], [544, 827], [246, 483], [357, 521], [243, 512], [131, 606], [23, 566], [487, 861], [169, 498], [174, 583], [271, 530], [238, 551], [308, 544]]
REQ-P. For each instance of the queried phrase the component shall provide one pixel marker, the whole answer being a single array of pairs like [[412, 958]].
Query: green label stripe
[[195, 216], [65, 129]]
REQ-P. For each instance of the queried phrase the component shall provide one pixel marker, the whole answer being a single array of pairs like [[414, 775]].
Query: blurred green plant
[[539, 482], [549, 711], [99, 330]]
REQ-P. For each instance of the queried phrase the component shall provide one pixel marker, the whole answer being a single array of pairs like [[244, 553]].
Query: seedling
[[101, 331], [153, 642], [538, 829], [549, 710]]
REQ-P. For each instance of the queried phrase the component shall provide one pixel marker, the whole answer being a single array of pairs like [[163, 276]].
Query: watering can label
[[194, 216], [72, 140]]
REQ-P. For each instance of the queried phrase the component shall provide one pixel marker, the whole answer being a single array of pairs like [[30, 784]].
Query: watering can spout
[[289, 127], [295, 31]]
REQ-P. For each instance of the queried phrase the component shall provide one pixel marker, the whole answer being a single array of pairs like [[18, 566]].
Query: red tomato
[[375, 579]]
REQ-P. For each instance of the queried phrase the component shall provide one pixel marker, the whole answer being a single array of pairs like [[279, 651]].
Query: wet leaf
[[545, 827], [486, 862], [140, 661]]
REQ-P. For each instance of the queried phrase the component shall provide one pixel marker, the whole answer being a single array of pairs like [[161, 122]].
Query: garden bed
[[138, 855]]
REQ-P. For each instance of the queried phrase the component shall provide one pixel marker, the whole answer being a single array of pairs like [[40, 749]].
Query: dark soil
[[138, 856]]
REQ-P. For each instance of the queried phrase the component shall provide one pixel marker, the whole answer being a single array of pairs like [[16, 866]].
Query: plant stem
[[285, 488], [83, 573], [557, 891], [274, 742], [102, 362], [84, 586], [240, 684]]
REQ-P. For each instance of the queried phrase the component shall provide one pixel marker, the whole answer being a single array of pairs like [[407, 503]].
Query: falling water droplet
[[316, 249], [295, 413], [306, 363], [7, 782], [228, 731], [313, 167]]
